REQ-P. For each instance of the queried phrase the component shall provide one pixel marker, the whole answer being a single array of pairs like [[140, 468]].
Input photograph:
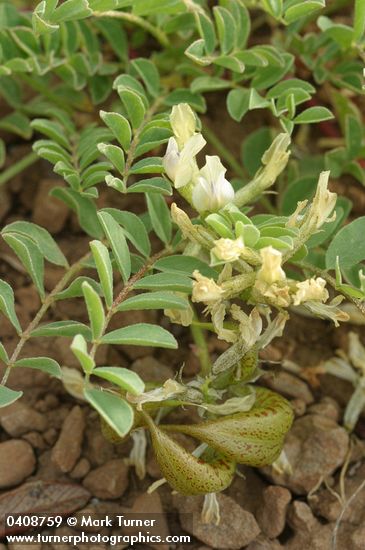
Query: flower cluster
[[208, 186]]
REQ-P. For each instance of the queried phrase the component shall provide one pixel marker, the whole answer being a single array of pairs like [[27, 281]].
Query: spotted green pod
[[255, 437], [184, 472]]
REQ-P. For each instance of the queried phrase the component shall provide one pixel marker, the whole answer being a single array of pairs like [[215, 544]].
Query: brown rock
[[20, 546], [144, 505], [18, 419], [48, 211], [81, 469], [326, 407], [289, 385], [108, 481], [263, 543], [67, 450], [247, 490], [316, 446], [17, 462], [98, 449], [237, 527], [36, 440], [272, 515]]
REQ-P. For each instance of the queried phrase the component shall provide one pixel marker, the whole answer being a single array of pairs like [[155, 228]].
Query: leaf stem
[[48, 301], [160, 36], [18, 167]]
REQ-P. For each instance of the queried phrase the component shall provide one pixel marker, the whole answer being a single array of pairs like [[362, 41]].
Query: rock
[[315, 446], [263, 543], [151, 370], [299, 406], [289, 385], [17, 462], [301, 518], [247, 490], [237, 527], [36, 440], [98, 449], [321, 538], [18, 419], [20, 546], [108, 481], [144, 505], [50, 436], [272, 515], [48, 211], [81, 469], [326, 407], [67, 450]]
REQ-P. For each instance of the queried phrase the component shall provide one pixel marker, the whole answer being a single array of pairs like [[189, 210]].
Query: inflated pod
[[255, 437], [184, 472]]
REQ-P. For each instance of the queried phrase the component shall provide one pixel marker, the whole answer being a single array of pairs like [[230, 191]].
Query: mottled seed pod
[[184, 472], [255, 437]]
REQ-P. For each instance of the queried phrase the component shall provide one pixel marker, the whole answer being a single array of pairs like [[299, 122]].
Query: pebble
[[315, 447], [288, 385], [144, 505], [17, 462], [263, 543], [67, 449], [236, 530], [36, 440], [152, 370], [18, 419], [326, 407], [15, 546], [271, 516], [108, 481], [81, 469]]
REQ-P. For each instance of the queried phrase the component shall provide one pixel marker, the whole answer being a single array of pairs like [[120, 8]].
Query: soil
[[53, 453]]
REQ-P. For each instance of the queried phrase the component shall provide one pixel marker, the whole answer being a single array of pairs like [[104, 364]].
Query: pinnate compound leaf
[[95, 310], [45, 364], [165, 281], [124, 378], [75, 288], [104, 267], [134, 229], [8, 396], [3, 354], [118, 243], [7, 304], [141, 334], [113, 409], [149, 74]]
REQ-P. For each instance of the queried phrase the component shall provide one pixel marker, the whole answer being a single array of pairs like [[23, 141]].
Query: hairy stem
[[160, 36], [18, 167], [47, 303]]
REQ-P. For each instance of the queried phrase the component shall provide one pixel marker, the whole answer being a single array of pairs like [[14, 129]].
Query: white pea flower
[[227, 250], [311, 289], [270, 270], [180, 165], [182, 317], [205, 289], [323, 203], [183, 123], [212, 191]]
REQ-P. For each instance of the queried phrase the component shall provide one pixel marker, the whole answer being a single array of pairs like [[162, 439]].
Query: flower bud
[[212, 191], [183, 123]]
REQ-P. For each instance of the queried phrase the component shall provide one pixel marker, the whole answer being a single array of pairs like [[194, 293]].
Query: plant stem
[[49, 300], [128, 287], [199, 337], [160, 36], [17, 167]]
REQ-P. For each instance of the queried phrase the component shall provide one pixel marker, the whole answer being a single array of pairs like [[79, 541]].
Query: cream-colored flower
[[328, 311], [276, 294], [212, 191], [250, 326], [228, 250], [180, 164], [205, 289], [270, 270], [183, 123], [323, 203], [218, 313], [311, 289]]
